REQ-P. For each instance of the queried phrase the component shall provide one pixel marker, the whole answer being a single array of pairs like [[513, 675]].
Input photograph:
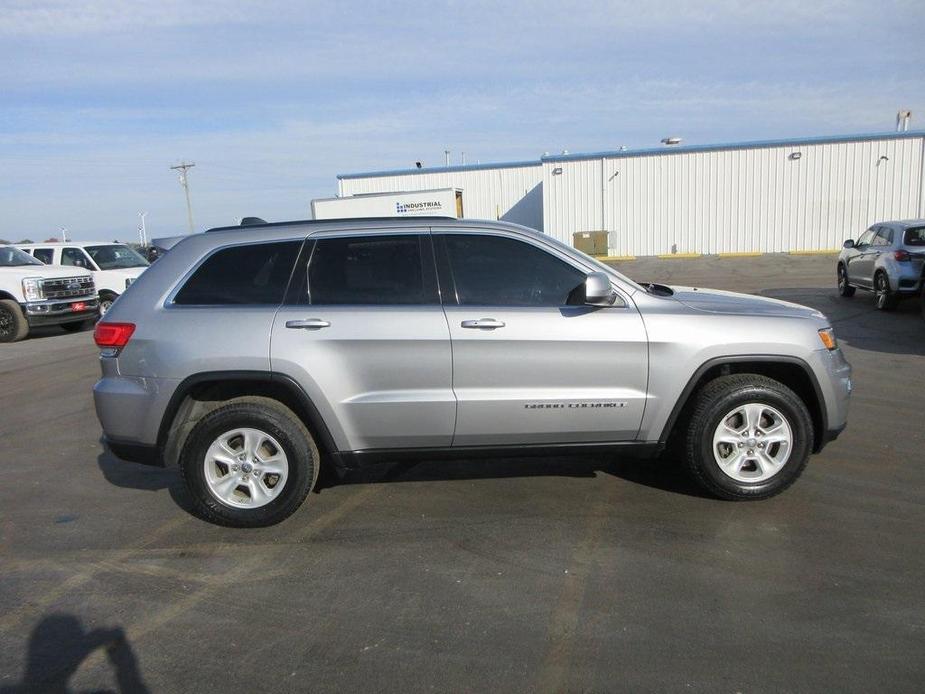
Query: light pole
[[142, 232], [183, 167]]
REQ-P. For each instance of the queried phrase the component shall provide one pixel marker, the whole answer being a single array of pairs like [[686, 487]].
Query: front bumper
[[56, 312]]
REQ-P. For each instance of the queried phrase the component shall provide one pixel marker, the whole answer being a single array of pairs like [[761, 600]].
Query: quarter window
[[372, 270], [256, 274], [499, 271]]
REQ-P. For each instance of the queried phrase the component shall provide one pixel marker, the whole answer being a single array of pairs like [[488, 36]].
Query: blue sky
[[273, 99]]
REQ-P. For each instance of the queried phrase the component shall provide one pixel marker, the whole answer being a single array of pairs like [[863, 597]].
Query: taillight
[[112, 336], [901, 256]]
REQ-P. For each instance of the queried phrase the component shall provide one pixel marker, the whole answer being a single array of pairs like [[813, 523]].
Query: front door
[[860, 264], [363, 332], [531, 363]]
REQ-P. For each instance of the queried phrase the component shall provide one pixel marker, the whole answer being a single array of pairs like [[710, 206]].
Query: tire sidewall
[[20, 327], [800, 425], [300, 454]]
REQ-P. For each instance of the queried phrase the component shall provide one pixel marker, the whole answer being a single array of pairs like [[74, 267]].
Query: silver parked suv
[[250, 356], [887, 259]]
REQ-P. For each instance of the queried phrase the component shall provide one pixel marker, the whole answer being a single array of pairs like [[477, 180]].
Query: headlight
[[128, 281], [32, 289], [827, 335]]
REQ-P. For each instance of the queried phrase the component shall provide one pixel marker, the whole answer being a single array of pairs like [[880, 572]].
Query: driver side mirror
[[598, 291], [849, 243]]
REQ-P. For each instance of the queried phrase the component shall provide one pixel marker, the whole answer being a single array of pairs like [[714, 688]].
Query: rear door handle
[[308, 324], [483, 323]]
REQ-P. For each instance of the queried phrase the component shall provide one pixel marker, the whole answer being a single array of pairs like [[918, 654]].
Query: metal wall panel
[[754, 199], [512, 194]]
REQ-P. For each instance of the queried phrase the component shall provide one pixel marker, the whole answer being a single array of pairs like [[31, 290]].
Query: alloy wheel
[[752, 442], [246, 468]]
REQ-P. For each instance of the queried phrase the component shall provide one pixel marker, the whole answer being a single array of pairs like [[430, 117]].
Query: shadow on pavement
[[151, 478], [59, 645], [858, 323]]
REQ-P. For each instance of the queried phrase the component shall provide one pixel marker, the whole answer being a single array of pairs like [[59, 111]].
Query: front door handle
[[308, 324], [483, 323]]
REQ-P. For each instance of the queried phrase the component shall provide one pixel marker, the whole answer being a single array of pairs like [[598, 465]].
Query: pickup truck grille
[[68, 287]]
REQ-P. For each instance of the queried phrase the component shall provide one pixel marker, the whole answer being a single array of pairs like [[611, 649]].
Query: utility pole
[[183, 167], [446, 158], [142, 232], [64, 234]]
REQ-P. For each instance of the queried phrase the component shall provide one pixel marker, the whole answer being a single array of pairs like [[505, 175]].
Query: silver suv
[[887, 259], [251, 356]]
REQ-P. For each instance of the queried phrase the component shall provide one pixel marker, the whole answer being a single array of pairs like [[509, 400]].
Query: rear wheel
[[249, 463], [749, 437], [886, 299], [13, 324], [844, 288]]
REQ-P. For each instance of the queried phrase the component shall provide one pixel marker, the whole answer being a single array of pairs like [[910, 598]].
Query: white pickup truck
[[34, 294], [114, 265]]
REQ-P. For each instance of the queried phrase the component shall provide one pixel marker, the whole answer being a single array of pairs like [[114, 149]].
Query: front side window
[[46, 255], [256, 275], [372, 270], [866, 238], [115, 257], [500, 271], [75, 257]]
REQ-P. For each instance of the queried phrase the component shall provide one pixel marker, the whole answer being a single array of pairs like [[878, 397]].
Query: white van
[[114, 265]]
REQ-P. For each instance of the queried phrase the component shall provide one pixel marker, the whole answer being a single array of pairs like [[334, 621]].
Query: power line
[[183, 167]]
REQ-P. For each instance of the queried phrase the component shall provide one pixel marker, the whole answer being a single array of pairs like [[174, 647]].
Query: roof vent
[[251, 221]]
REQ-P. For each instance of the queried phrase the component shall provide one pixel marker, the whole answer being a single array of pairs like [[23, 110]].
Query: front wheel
[[249, 463], [749, 437], [13, 324], [844, 289], [106, 299]]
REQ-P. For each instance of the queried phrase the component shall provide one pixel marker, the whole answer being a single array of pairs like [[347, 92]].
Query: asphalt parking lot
[[597, 574]]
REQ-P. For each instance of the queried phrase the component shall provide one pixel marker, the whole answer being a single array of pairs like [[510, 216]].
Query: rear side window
[[372, 270], [914, 237], [254, 274], [499, 271], [46, 255]]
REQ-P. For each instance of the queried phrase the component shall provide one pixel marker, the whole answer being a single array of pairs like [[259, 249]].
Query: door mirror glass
[[598, 291], [849, 243]]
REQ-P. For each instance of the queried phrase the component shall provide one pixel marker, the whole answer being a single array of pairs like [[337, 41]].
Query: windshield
[[115, 257], [915, 237], [13, 257]]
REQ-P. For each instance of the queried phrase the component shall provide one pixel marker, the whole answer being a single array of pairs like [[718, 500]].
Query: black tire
[[886, 300], [844, 289], [721, 396], [76, 326], [13, 324], [272, 418], [106, 299]]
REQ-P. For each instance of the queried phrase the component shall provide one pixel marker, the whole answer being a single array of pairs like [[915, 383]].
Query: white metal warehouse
[[765, 196]]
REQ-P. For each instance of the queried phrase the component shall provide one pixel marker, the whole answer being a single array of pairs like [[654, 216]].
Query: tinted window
[[915, 237], [255, 274], [498, 271], [74, 256], [46, 255], [115, 257], [372, 270]]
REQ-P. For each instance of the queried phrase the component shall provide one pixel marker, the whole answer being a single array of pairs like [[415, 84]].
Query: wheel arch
[[793, 372], [198, 394], [6, 296]]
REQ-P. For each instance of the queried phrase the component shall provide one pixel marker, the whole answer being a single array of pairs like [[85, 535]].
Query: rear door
[[531, 363], [363, 332]]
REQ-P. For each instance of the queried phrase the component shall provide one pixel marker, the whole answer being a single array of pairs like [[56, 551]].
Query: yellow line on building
[[614, 257], [819, 251], [678, 255]]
